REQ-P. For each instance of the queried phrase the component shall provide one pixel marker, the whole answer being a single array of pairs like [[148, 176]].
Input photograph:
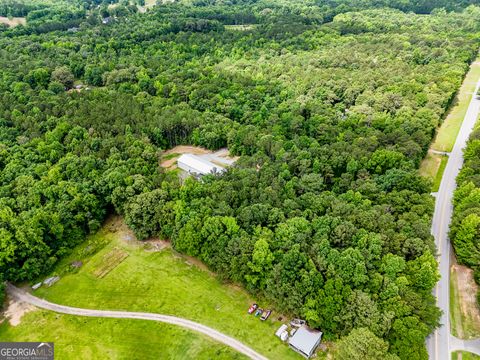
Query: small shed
[[51, 280], [305, 341], [197, 166]]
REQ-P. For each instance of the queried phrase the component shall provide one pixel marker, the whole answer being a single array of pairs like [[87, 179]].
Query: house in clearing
[[305, 341], [195, 165]]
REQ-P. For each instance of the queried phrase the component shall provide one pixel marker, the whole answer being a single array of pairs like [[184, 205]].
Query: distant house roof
[[305, 341], [196, 164]]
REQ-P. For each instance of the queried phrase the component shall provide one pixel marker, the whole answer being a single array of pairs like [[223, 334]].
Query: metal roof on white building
[[196, 164], [305, 340]]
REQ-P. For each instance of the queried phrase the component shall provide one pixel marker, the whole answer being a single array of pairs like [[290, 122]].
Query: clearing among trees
[[13, 21], [464, 309], [220, 157], [162, 282]]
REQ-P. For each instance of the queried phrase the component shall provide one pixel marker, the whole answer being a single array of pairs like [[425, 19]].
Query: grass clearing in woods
[[432, 167], [448, 131], [13, 21], [464, 309], [78, 337], [161, 282]]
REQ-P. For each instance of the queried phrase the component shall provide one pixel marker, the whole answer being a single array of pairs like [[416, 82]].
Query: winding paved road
[[24, 296], [440, 343]]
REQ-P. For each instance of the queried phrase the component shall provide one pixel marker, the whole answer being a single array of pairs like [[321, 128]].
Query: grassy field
[[448, 131], [433, 167], [464, 312], [161, 282], [463, 355], [95, 338]]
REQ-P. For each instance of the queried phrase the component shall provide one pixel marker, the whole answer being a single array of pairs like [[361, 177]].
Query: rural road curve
[[24, 296], [438, 343]]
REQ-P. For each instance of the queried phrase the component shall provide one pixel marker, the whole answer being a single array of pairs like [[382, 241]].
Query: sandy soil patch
[[116, 224], [156, 244], [187, 149], [13, 21], [170, 163], [15, 310], [467, 294]]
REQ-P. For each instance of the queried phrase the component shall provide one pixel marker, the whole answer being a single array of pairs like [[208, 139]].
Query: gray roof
[[305, 340], [200, 165]]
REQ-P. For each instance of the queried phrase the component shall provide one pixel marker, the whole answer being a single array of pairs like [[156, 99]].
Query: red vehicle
[[265, 315], [252, 308]]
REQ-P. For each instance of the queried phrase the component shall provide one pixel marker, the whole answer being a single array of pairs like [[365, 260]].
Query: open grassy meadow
[[97, 338], [120, 273], [447, 133]]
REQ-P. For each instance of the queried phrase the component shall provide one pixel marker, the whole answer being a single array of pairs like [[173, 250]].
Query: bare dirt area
[[191, 261], [187, 149], [467, 291], [156, 244], [12, 22], [116, 224], [15, 310]]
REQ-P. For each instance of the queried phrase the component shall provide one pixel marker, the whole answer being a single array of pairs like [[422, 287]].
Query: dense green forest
[[330, 104], [465, 229]]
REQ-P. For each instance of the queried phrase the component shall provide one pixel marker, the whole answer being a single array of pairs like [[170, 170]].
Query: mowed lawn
[[433, 167], [449, 129], [96, 338], [161, 282], [463, 355]]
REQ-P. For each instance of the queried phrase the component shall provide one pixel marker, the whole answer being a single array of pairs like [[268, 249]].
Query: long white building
[[195, 165]]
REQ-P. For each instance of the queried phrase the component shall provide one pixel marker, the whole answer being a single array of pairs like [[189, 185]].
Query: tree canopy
[[330, 105]]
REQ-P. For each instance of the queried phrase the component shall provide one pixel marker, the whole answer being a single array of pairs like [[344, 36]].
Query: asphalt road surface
[[438, 343], [24, 296]]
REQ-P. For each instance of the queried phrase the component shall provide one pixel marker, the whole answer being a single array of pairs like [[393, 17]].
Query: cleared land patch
[[432, 167], [15, 311], [464, 310], [110, 261], [12, 22], [164, 282], [78, 337], [220, 157], [447, 133], [244, 27]]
